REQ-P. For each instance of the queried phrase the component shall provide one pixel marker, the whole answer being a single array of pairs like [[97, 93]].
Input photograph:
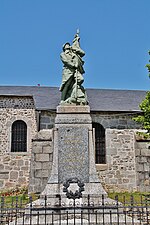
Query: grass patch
[[135, 198], [17, 201]]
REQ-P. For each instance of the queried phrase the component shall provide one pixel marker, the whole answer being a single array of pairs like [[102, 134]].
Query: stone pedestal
[[73, 155]]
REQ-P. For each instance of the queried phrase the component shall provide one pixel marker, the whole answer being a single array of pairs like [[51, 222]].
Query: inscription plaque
[[73, 155]]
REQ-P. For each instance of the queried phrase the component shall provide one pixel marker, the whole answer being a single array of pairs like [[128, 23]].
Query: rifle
[[76, 85]]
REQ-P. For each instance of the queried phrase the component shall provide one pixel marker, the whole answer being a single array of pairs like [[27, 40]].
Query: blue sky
[[115, 36]]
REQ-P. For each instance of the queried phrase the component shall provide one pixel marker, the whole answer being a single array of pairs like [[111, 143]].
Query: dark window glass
[[19, 136], [100, 151]]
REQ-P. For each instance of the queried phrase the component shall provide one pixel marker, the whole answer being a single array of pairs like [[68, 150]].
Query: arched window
[[19, 136], [100, 151]]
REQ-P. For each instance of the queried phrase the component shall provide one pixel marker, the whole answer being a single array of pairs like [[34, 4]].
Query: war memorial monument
[[73, 160]]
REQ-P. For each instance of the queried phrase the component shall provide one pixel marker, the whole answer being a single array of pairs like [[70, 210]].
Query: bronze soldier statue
[[72, 77]]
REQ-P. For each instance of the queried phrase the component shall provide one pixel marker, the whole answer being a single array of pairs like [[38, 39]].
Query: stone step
[[91, 221]]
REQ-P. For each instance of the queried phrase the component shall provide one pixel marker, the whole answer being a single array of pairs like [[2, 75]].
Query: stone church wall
[[127, 165], [47, 120], [14, 166], [142, 151], [127, 161], [111, 120], [41, 160], [14, 170], [115, 120], [119, 172]]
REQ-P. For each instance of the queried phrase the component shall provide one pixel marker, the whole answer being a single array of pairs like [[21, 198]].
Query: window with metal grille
[[100, 151], [19, 136]]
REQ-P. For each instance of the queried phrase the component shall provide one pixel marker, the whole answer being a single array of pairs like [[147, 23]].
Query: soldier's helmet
[[66, 46]]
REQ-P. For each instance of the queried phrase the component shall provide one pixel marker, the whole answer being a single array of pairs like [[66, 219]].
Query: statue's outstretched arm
[[79, 51]]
